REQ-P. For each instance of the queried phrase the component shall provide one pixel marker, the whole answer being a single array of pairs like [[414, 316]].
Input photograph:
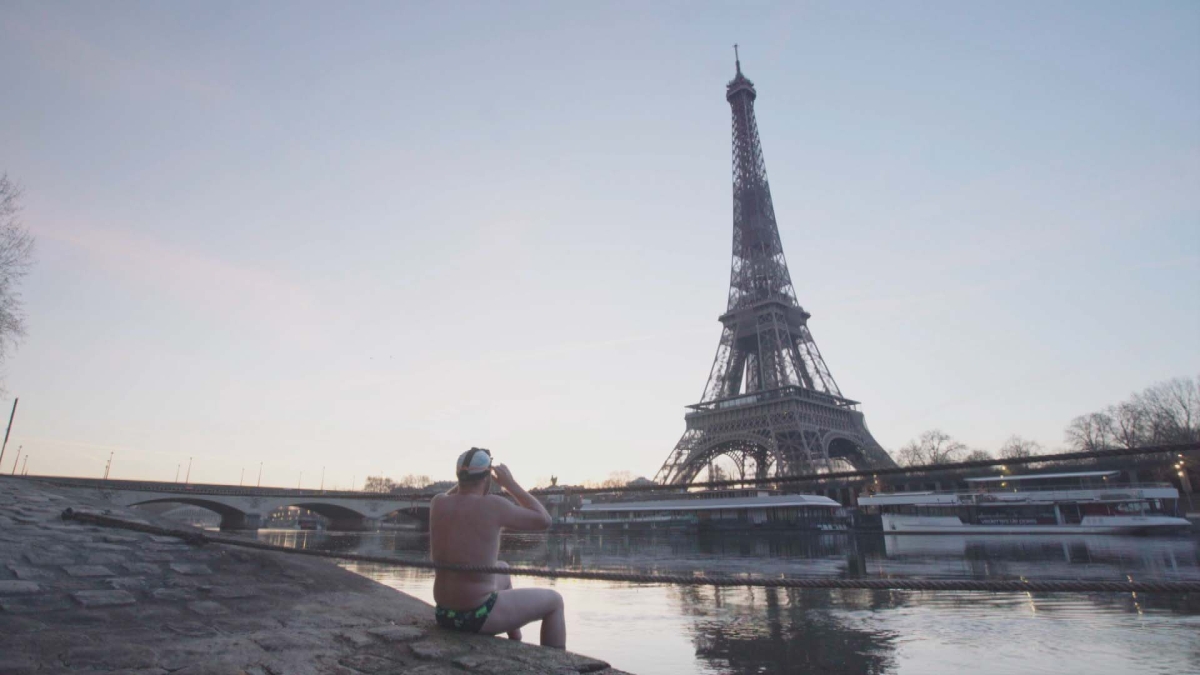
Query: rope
[[198, 538], [873, 473], [422, 493]]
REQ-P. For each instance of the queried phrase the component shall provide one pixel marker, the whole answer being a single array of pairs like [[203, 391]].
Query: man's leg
[[517, 607], [504, 583]]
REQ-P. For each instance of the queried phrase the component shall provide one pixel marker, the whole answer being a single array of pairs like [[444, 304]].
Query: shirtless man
[[464, 529]]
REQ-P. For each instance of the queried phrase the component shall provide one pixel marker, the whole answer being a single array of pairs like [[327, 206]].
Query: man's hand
[[527, 514], [504, 477]]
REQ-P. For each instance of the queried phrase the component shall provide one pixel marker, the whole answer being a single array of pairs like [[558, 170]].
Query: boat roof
[[1042, 476], [772, 501]]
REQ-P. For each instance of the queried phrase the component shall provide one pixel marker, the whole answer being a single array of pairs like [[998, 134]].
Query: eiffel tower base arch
[[784, 435]]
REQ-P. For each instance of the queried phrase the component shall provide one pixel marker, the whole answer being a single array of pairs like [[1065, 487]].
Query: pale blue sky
[[369, 236]]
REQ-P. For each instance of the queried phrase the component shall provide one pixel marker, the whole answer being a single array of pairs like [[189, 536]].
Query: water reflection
[[1042, 557], [702, 629], [764, 630]]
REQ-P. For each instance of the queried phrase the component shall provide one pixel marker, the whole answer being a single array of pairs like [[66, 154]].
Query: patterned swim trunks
[[465, 620]]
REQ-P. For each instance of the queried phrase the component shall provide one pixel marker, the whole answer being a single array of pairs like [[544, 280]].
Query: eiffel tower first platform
[[770, 404]]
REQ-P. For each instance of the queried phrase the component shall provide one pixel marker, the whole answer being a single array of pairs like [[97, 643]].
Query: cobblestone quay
[[76, 598]]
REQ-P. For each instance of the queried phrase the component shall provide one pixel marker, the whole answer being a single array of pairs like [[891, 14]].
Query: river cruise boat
[[310, 521], [747, 509], [1081, 502]]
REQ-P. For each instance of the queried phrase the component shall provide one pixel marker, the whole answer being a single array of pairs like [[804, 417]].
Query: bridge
[[246, 508]]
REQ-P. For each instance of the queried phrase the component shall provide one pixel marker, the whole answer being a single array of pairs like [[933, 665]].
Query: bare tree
[[933, 447], [1016, 447], [978, 456], [1173, 410], [16, 257], [1131, 422], [617, 479], [379, 484], [1090, 432], [1167, 412], [411, 481]]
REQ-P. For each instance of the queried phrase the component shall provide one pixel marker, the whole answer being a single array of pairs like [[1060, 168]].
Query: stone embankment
[[76, 598]]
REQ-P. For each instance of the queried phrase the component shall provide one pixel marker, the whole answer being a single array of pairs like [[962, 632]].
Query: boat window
[[1070, 513], [1096, 509]]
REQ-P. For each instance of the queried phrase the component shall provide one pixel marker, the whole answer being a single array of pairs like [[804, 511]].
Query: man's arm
[[528, 513]]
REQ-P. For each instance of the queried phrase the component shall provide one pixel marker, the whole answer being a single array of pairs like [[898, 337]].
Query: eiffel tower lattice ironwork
[[771, 404]]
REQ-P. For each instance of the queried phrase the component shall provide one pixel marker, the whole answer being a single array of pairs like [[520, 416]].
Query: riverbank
[[76, 598]]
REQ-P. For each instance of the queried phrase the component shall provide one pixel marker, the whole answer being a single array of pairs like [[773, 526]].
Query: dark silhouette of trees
[[978, 456], [16, 258], [378, 484], [933, 447], [1167, 412], [1016, 448]]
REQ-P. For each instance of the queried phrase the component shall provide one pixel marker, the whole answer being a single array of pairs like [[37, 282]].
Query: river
[[677, 630]]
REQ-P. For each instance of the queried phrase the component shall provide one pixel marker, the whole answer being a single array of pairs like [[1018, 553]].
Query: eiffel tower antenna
[[770, 400]]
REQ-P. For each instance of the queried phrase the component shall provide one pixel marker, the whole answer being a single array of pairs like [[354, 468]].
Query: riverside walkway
[[79, 598]]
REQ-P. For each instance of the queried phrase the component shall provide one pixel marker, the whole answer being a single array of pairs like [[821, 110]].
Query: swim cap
[[474, 463]]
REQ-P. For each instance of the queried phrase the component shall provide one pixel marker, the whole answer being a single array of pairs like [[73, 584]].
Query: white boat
[[740, 509], [1082, 502]]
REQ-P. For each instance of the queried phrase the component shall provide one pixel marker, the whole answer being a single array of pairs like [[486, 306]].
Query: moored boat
[[746, 509], [1078, 502]]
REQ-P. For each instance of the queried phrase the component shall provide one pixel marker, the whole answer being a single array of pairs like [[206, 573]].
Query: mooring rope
[[196, 489], [1104, 453], [198, 538]]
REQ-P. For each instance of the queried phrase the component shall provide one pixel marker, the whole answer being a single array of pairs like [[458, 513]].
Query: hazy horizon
[[368, 237]]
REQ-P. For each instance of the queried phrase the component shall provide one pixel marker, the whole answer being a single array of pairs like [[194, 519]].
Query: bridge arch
[[340, 517], [232, 518], [330, 511], [346, 518]]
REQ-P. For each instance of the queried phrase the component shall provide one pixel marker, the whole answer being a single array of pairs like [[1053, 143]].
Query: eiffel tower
[[770, 405]]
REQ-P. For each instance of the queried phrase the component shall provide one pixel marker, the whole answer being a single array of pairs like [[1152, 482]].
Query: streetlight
[[260, 474], [25, 471], [177, 468], [299, 479], [188, 477], [17, 460], [241, 476], [322, 479], [109, 464]]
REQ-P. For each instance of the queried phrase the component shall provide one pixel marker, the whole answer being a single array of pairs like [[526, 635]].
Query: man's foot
[[515, 635]]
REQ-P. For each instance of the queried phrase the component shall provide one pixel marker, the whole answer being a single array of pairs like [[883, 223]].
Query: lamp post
[[17, 460], [322, 479], [187, 478], [299, 479], [242, 477], [260, 474], [6, 431], [109, 464], [177, 468], [24, 470]]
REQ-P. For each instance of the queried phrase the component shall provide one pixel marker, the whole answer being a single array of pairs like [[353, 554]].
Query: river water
[[677, 630]]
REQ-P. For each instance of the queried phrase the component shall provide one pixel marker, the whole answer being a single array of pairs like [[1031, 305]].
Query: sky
[[361, 238]]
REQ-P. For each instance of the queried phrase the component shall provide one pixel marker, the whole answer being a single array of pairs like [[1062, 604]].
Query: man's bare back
[[464, 529]]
